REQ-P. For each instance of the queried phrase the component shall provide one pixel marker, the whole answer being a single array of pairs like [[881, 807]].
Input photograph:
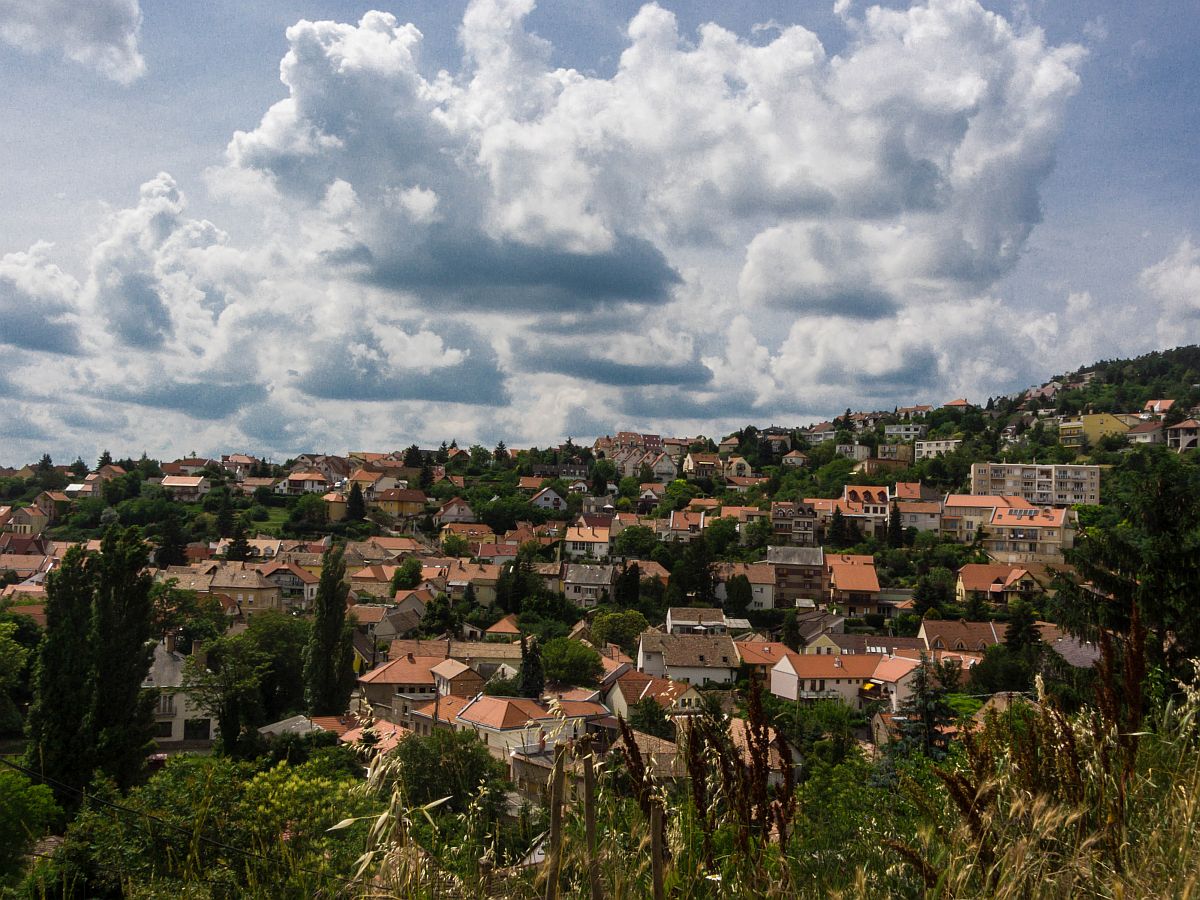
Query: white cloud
[[100, 34], [722, 228], [1174, 282]]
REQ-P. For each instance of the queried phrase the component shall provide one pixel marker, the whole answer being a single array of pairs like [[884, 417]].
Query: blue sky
[[681, 218]]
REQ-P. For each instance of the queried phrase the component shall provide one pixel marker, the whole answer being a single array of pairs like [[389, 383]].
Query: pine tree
[[895, 531], [121, 716], [238, 548], [837, 529], [356, 506], [790, 633], [533, 676], [104, 460], [926, 715], [59, 748], [224, 518], [329, 654], [1022, 631]]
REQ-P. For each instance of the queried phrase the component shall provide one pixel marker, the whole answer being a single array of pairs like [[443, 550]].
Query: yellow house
[[335, 505], [1091, 427], [400, 502]]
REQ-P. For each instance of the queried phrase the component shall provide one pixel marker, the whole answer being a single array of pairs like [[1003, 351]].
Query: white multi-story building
[[905, 431], [930, 449], [1040, 485]]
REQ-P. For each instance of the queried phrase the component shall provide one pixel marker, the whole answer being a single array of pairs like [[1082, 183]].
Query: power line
[[161, 821]]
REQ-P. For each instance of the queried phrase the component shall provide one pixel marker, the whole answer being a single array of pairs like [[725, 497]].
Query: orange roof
[[446, 707], [984, 576], [507, 625], [987, 501], [852, 577], [408, 669], [850, 559], [1043, 518], [893, 668], [388, 735], [368, 615], [637, 686], [339, 725], [760, 653], [843, 665], [503, 712]]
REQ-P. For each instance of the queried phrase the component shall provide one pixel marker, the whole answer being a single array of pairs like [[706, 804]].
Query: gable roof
[[705, 651]]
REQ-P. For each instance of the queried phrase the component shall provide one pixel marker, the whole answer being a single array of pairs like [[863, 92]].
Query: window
[[163, 729], [197, 729]]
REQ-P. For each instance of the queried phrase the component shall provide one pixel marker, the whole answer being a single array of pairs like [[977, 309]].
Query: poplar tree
[[328, 658], [121, 717], [59, 748]]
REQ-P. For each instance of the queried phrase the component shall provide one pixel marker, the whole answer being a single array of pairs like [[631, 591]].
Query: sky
[[328, 226]]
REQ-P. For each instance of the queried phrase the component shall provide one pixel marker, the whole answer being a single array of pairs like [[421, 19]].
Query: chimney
[[837, 661], [410, 658], [169, 640], [200, 654]]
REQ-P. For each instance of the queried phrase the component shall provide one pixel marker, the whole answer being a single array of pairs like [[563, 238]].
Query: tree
[[104, 460], [407, 575], [13, 657], [926, 715], [759, 533], [229, 689], [738, 595], [1022, 632], [280, 640], [838, 532], [356, 506], [454, 765], [895, 530], [649, 717], [620, 628], [27, 811], [532, 677], [238, 549], [455, 545], [439, 617], [60, 750], [79, 468], [635, 542], [627, 587], [722, 534], [568, 661], [328, 658], [790, 633], [121, 716]]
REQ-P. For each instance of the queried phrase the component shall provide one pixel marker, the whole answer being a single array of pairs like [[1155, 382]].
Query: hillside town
[[613, 595]]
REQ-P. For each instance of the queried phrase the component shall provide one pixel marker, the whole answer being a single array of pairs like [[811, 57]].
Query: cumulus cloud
[[724, 227], [99, 34], [1174, 282], [37, 302]]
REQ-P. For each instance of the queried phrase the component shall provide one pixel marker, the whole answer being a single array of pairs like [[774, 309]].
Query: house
[[701, 465], [587, 585], [810, 677], [485, 657], [507, 724], [952, 634], [794, 459], [728, 445], [471, 532], [834, 643], [1184, 436], [179, 722], [1156, 407], [440, 713], [923, 515], [453, 677], [852, 451], [689, 620], [548, 499], [794, 523], [690, 658], [762, 582], [506, 629], [239, 465], [663, 468], [959, 404], [380, 735], [1029, 535], [1150, 432], [454, 510], [27, 520], [306, 482], [760, 656], [854, 585], [585, 541], [998, 583], [675, 697], [395, 687], [399, 503], [800, 575], [736, 467], [1087, 430], [297, 585]]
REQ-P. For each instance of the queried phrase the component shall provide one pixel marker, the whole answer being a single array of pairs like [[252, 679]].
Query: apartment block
[[1040, 485], [930, 449], [905, 431]]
